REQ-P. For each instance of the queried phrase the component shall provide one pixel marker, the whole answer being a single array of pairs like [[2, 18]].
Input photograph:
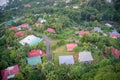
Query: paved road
[[47, 41]]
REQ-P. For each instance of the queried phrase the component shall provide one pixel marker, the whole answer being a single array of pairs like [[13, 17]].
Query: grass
[[61, 51]]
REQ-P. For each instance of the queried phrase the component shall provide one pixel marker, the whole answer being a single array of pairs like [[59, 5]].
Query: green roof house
[[34, 60]]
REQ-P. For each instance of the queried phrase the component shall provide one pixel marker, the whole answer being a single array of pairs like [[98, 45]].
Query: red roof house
[[114, 35], [81, 33], [20, 33], [51, 30], [9, 72], [115, 53], [13, 28], [34, 53], [27, 5], [24, 25], [70, 47]]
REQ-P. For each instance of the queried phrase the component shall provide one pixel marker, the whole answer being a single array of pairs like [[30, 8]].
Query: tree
[[19, 76]]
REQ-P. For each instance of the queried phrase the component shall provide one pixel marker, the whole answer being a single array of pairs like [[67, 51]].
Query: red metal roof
[[20, 33], [34, 53], [115, 53], [81, 33], [51, 30], [27, 5], [24, 25], [13, 28], [114, 35], [9, 71], [70, 47]]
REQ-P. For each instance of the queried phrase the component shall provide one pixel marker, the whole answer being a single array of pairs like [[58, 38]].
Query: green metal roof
[[34, 60]]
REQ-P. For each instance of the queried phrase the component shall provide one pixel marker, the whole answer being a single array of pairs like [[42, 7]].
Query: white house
[[67, 1], [66, 59], [85, 57], [97, 29], [109, 25], [30, 40], [75, 7], [109, 1]]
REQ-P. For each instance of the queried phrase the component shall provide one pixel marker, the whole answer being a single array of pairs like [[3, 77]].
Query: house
[[109, 1], [71, 46], [75, 7], [19, 34], [114, 31], [55, 4], [27, 5], [13, 28], [69, 59], [42, 20], [109, 25], [85, 57], [82, 3], [37, 2], [114, 35], [34, 60], [51, 30], [25, 25], [38, 24], [9, 22], [67, 1], [97, 29], [30, 40], [81, 33], [115, 53], [10, 72], [56, 19], [34, 53]]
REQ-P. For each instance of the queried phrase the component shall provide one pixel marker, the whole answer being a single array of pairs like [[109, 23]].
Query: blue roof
[[34, 60], [9, 22], [97, 29], [34, 42], [115, 31], [68, 59]]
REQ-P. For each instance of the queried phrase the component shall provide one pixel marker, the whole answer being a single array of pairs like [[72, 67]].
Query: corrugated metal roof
[[34, 60], [85, 56], [66, 59]]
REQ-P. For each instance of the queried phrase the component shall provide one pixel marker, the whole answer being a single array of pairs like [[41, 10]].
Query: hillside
[[60, 40]]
